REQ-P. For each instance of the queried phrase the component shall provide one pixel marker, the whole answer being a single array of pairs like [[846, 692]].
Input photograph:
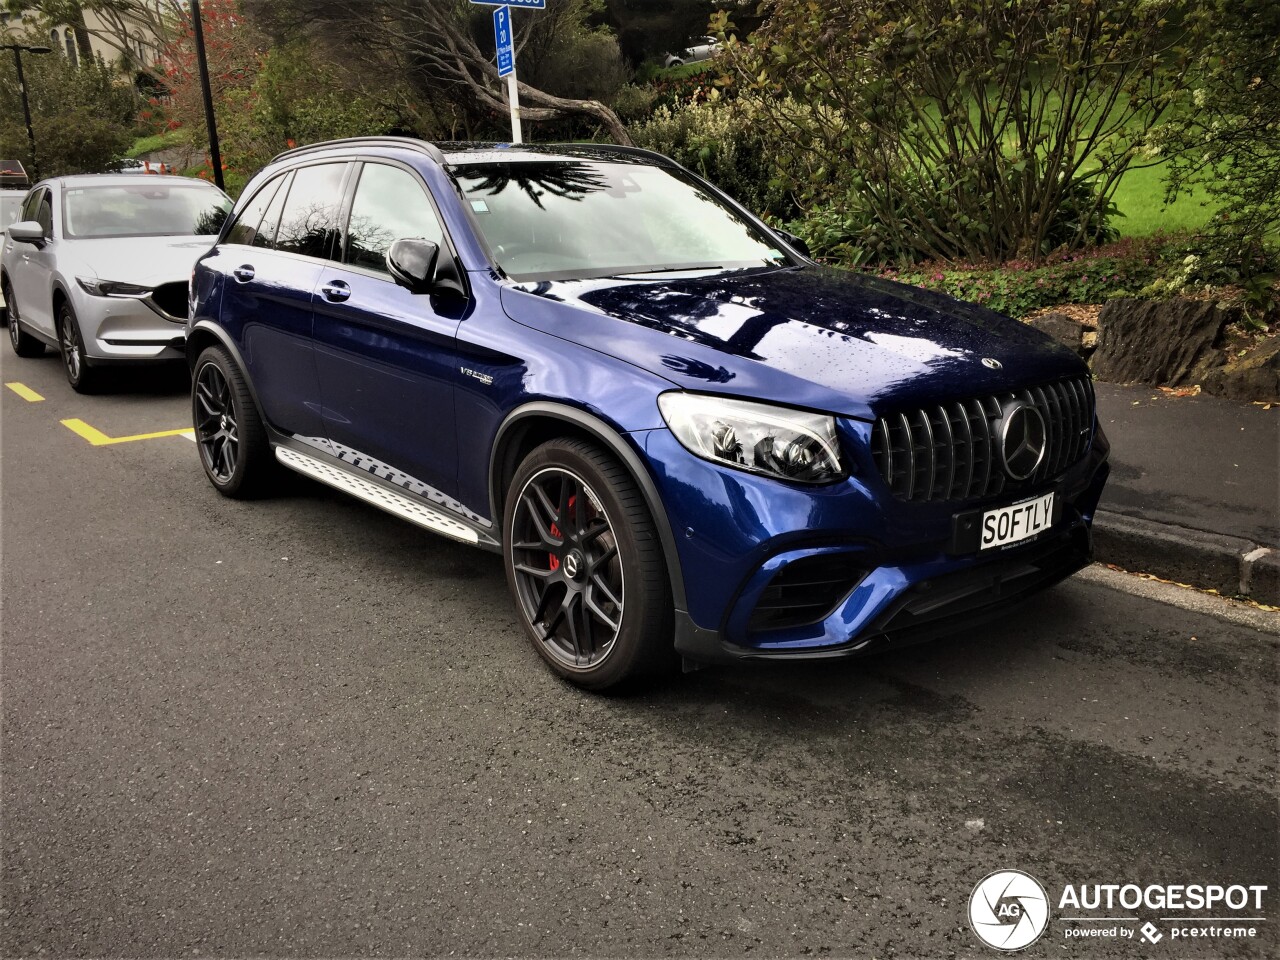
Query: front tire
[[585, 567], [230, 435], [82, 377], [23, 343]]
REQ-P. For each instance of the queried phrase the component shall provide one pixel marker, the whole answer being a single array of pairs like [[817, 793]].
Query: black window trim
[[344, 188]]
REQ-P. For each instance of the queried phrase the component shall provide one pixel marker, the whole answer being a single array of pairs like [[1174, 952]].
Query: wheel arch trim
[[511, 431], [198, 335]]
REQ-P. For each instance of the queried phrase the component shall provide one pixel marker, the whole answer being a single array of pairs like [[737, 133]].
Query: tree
[[960, 129], [235, 52], [443, 47], [1225, 136], [81, 118], [267, 97]]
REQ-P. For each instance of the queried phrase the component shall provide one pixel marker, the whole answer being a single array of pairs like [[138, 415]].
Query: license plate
[[1018, 522]]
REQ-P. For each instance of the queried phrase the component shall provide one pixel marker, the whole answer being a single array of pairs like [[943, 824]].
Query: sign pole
[[504, 40], [513, 95]]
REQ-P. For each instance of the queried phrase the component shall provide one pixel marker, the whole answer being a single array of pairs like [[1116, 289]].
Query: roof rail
[[407, 143]]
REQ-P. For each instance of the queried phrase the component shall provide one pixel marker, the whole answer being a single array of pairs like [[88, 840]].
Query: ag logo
[[1008, 910]]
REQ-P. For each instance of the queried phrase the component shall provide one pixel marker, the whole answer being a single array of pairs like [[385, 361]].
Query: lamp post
[[18, 50], [215, 155]]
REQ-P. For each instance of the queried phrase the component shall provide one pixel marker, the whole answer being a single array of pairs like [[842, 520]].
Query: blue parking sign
[[504, 41]]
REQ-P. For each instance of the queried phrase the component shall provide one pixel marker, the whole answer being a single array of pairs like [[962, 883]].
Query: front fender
[[514, 428]]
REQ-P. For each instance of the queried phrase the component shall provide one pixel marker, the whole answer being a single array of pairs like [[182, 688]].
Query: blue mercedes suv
[[689, 442]]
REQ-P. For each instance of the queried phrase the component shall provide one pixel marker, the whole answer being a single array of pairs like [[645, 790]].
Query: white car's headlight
[[777, 441], [111, 288]]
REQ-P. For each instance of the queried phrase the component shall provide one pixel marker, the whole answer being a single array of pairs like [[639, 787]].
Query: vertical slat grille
[[952, 451]]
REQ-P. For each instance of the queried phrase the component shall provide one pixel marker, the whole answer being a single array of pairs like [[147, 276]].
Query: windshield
[[10, 208], [144, 210], [573, 219]]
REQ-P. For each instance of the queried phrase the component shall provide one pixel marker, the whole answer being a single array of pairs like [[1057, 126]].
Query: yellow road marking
[[25, 392], [100, 439]]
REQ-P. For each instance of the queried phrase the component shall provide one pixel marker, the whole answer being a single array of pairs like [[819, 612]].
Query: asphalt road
[[299, 727]]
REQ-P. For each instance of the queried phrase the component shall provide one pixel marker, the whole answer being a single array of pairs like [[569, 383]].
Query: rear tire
[[23, 343], [586, 569], [230, 434]]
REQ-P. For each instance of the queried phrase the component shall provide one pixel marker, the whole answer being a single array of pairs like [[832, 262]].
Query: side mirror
[[796, 242], [416, 265], [27, 231]]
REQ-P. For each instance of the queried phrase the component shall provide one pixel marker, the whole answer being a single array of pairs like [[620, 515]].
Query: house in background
[[130, 35]]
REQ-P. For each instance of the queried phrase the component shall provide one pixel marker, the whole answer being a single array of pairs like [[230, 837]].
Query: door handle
[[244, 274], [336, 291]]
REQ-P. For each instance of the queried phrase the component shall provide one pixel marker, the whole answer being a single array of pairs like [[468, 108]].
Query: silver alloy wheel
[[14, 333], [71, 348]]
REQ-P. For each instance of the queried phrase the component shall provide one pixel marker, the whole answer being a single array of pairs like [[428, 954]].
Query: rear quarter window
[[309, 224], [245, 230]]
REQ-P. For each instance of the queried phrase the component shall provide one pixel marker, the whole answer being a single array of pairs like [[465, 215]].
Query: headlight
[[110, 288], [757, 437]]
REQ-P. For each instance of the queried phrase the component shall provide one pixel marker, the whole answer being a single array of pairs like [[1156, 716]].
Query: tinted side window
[[31, 204], [390, 204], [45, 213], [270, 225], [246, 226], [310, 222]]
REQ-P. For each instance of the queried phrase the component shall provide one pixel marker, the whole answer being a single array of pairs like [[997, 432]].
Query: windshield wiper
[[645, 273]]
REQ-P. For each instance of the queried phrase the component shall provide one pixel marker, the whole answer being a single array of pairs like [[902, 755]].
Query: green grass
[[1140, 197], [159, 141]]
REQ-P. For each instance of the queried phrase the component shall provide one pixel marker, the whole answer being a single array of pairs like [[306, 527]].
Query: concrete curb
[[1230, 565]]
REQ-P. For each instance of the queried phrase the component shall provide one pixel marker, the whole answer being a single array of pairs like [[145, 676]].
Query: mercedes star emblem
[[1023, 439], [571, 566]]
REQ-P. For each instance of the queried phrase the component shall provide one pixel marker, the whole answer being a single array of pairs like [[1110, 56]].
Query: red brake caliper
[[555, 532]]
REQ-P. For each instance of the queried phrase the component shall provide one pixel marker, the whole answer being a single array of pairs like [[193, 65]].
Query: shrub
[[960, 129], [1019, 287], [1225, 139], [81, 118], [710, 140], [634, 102], [857, 231]]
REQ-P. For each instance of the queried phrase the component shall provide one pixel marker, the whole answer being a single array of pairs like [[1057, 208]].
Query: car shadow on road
[[169, 379], [158, 380]]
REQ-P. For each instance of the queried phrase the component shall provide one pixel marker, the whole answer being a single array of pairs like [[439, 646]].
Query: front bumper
[[749, 546], [118, 329]]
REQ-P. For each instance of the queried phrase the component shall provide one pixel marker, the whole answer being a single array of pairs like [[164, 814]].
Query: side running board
[[398, 504]]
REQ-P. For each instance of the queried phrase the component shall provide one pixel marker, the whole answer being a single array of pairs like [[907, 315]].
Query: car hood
[[814, 337], [147, 261]]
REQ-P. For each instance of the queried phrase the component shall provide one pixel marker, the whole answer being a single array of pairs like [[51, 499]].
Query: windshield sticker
[[479, 206]]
